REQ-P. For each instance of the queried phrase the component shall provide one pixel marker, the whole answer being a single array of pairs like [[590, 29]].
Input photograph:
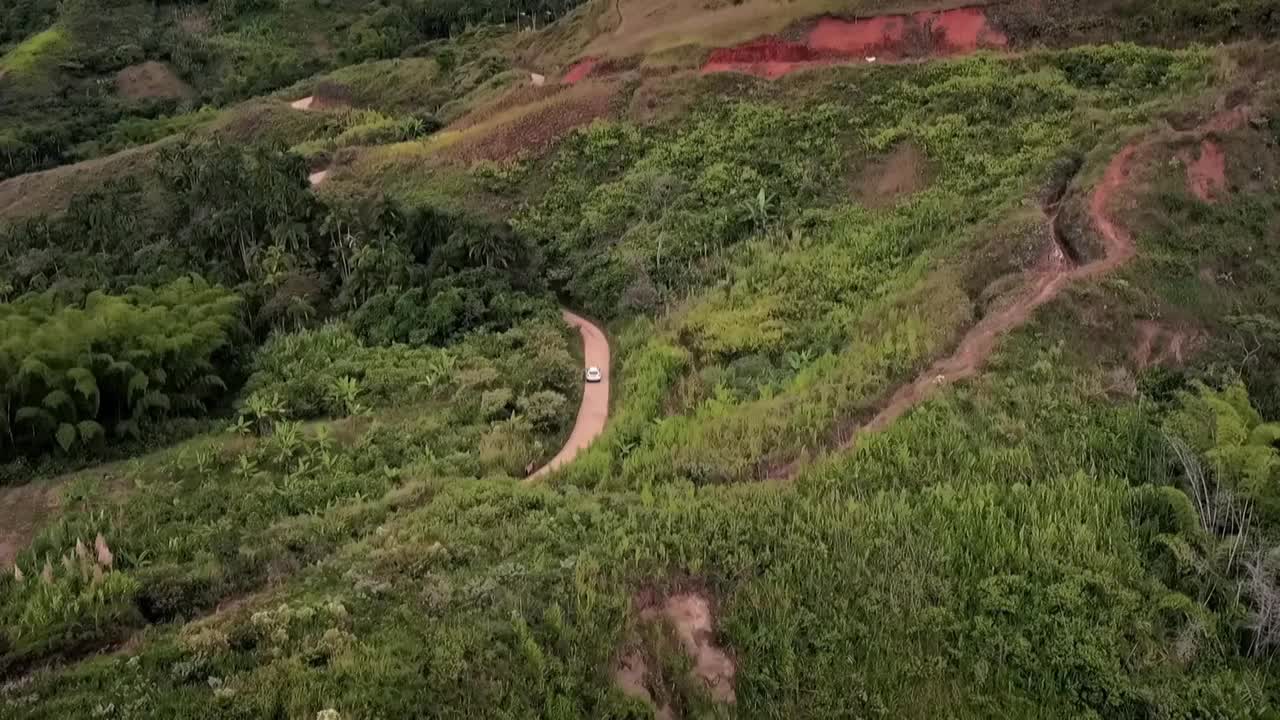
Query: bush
[[305, 368]]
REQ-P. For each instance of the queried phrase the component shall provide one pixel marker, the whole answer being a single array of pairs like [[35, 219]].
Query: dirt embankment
[[886, 38]]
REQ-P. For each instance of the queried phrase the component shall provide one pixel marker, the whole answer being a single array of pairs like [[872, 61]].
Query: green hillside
[[944, 377]]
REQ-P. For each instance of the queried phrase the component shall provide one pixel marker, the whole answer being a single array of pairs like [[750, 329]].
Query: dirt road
[[594, 410]]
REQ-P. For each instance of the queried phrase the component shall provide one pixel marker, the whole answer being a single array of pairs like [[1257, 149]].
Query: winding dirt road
[[594, 410]]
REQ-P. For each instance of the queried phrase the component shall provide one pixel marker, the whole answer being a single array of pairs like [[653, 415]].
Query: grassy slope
[[33, 52], [998, 552]]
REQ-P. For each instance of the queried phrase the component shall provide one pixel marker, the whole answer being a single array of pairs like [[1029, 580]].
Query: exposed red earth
[[580, 70], [1207, 174], [885, 38]]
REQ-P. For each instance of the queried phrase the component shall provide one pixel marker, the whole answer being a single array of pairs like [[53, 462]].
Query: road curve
[[594, 410]]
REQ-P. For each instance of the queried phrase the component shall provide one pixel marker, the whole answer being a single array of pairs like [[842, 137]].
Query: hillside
[[940, 351]]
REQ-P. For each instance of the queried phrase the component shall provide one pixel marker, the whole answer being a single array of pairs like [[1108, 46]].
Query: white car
[[594, 375]]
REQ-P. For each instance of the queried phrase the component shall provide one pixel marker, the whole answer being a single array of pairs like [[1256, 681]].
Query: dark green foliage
[[74, 377], [425, 277], [58, 112], [23, 18], [212, 208]]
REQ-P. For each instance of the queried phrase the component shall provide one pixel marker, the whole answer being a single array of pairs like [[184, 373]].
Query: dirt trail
[[23, 511], [1054, 273], [309, 103], [594, 410]]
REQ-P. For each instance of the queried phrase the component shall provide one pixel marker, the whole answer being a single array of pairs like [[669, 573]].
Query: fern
[[90, 430], [66, 436], [138, 384], [35, 416], [86, 385], [67, 366], [154, 400], [57, 399]]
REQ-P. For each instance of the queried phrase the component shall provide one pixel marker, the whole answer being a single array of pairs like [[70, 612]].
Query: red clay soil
[[1053, 274], [885, 38], [1207, 174], [580, 70]]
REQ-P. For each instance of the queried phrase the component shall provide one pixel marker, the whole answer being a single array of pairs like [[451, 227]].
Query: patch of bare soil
[[513, 98], [327, 95], [901, 173], [151, 80], [580, 70], [1207, 172], [1156, 344], [690, 616], [194, 19], [632, 678], [23, 511], [51, 191], [537, 125]]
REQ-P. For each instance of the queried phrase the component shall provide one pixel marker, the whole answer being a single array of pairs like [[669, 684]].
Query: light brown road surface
[[594, 410]]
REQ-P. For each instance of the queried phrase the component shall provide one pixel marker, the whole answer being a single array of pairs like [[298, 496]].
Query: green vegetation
[[1084, 523], [75, 375], [34, 51], [227, 52]]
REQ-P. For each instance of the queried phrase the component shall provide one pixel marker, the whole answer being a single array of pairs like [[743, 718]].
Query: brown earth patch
[[1207, 172], [327, 96], [151, 80], [901, 173], [1157, 344], [513, 98], [535, 126], [23, 511], [51, 191], [690, 617], [26, 509], [580, 70], [194, 20]]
